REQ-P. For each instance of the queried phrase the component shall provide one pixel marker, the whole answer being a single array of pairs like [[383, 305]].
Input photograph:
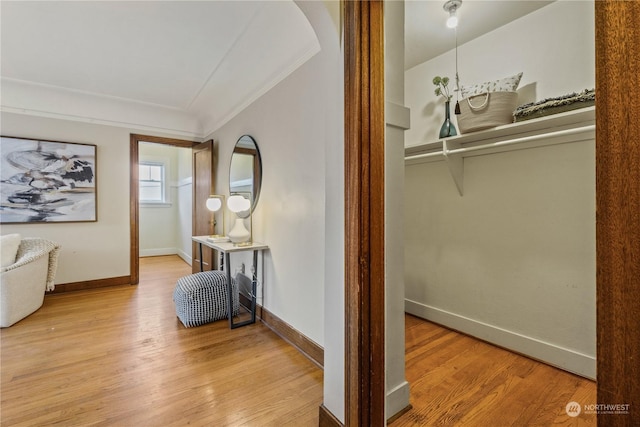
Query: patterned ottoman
[[202, 297]]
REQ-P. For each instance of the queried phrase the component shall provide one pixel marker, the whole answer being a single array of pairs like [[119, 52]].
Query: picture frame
[[43, 181]]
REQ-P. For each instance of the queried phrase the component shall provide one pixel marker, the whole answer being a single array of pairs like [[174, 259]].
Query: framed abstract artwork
[[47, 181]]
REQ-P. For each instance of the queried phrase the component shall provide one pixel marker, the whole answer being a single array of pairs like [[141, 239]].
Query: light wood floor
[[120, 357], [457, 380]]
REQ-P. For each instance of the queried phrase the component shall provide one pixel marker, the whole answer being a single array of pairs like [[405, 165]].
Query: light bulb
[[452, 7], [452, 21], [214, 203]]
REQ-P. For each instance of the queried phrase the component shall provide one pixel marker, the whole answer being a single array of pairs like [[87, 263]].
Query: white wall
[[298, 126], [397, 388], [90, 250], [325, 19], [289, 124], [513, 260], [553, 47], [184, 202]]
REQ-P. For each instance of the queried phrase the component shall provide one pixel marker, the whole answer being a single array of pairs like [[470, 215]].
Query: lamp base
[[239, 233]]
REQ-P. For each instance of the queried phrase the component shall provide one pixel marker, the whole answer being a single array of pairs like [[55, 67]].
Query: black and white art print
[[46, 181]]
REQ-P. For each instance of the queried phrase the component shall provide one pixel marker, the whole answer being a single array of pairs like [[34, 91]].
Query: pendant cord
[[457, 109]]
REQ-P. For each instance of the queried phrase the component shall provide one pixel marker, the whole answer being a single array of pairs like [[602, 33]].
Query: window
[[151, 181]]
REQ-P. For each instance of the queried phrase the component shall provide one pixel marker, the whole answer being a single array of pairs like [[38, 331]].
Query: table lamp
[[214, 203], [241, 206]]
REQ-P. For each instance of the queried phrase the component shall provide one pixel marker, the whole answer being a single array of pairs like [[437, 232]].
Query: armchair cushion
[[9, 244], [23, 283]]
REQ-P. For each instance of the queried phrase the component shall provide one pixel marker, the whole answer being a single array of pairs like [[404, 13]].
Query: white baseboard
[[167, 251], [158, 252], [563, 358], [185, 256], [397, 399]]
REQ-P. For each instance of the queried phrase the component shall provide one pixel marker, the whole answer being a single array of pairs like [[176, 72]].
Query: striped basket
[[486, 110]]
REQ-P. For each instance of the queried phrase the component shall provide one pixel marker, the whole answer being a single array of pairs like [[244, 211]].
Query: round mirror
[[245, 172]]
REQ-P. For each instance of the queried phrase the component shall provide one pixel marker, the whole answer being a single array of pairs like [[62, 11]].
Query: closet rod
[[503, 143]]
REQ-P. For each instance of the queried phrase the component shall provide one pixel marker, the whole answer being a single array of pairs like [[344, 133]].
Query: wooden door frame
[[617, 45], [134, 203], [364, 213], [618, 207], [206, 255]]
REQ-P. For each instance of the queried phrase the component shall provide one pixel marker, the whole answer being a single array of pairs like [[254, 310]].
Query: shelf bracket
[[454, 162]]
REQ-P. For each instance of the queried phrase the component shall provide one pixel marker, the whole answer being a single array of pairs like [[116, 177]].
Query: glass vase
[[447, 129]]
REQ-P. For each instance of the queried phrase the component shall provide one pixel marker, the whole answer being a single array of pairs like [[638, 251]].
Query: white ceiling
[[426, 33], [205, 60]]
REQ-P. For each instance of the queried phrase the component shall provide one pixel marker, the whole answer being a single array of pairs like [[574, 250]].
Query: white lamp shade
[[214, 204], [237, 204]]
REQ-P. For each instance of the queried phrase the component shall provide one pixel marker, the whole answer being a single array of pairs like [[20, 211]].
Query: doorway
[[134, 194], [165, 191], [617, 229]]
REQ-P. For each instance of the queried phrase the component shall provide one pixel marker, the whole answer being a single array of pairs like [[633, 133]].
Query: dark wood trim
[[364, 213], [327, 419], [91, 284], [306, 346], [134, 205], [399, 414], [618, 208], [134, 211], [209, 258]]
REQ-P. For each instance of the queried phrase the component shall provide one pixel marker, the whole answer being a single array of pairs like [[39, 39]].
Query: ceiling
[[426, 33], [206, 60]]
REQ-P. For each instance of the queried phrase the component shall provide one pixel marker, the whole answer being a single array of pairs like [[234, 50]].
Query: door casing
[[617, 44], [134, 203]]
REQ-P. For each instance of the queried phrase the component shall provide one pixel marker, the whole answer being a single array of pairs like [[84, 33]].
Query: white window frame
[[163, 185]]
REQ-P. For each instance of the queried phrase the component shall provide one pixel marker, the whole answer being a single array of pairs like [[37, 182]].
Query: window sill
[[155, 205]]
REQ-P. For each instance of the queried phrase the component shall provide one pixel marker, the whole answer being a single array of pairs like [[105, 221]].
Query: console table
[[226, 248]]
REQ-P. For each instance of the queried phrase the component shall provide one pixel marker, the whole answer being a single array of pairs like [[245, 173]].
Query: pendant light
[[451, 6]]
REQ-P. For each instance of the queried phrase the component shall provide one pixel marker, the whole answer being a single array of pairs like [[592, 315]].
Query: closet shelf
[[571, 126]]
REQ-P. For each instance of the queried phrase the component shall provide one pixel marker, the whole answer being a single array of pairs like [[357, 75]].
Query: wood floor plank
[[120, 357], [457, 380]]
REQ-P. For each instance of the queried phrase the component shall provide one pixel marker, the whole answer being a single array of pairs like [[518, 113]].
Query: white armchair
[[23, 283]]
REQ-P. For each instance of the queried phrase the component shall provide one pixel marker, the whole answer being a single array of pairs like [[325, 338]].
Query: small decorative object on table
[[442, 89]]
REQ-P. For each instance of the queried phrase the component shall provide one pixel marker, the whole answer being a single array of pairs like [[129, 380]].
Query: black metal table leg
[[229, 289], [254, 286]]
